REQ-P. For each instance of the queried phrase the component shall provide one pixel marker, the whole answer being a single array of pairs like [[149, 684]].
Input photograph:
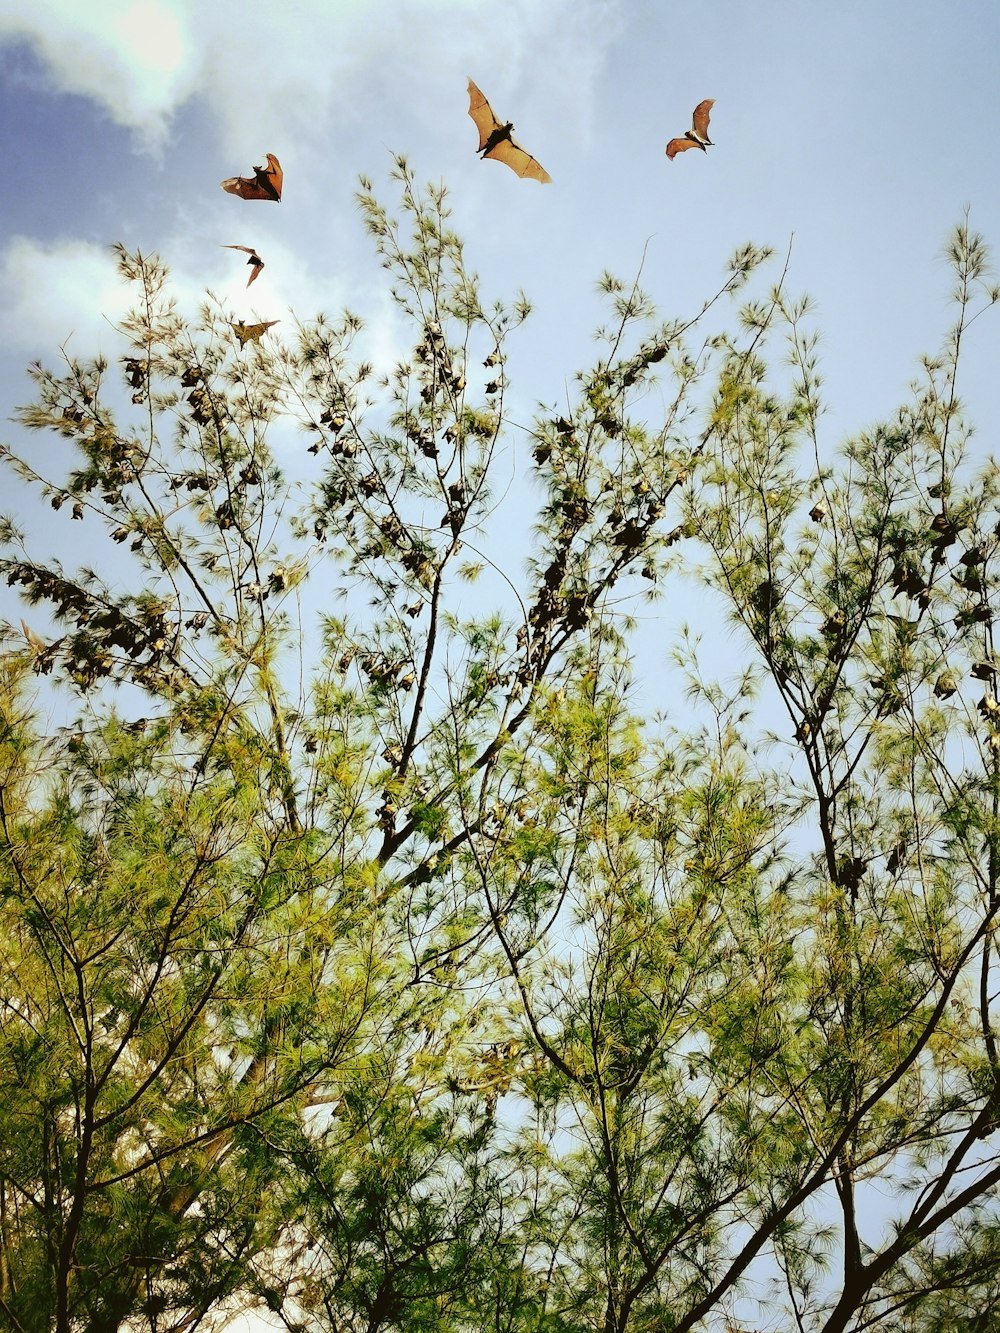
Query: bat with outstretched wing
[[697, 135], [495, 140], [251, 333], [34, 642], [255, 261], [265, 183]]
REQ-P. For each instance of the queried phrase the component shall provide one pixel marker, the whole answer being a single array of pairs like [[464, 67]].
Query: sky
[[856, 132]]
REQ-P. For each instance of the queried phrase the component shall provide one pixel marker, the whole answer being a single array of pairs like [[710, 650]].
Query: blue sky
[[864, 128]]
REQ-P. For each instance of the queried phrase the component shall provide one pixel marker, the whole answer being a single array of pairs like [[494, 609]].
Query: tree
[[389, 971]]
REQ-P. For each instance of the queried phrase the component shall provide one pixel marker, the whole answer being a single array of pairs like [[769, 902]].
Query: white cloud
[[285, 67], [66, 290], [135, 57], [68, 294], [308, 78]]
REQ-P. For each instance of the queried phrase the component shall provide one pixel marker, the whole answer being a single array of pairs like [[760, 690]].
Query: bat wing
[[254, 260], [244, 187], [273, 177], [520, 162], [251, 332], [264, 184], [39, 645], [240, 185], [676, 146], [482, 113], [700, 121]]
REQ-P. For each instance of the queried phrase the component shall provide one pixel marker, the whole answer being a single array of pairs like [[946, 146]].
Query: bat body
[[265, 183], [697, 135], [251, 333], [495, 140], [255, 261]]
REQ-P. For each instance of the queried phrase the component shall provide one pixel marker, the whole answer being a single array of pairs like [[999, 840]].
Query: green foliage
[[389, 972]]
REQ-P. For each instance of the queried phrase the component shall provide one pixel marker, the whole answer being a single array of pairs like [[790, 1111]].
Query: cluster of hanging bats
[[495, 141]]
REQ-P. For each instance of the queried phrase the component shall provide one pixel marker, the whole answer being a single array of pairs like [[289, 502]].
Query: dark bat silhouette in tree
[[697, 135], [495, 140], [254, 261], [264, 184], [251, 332]]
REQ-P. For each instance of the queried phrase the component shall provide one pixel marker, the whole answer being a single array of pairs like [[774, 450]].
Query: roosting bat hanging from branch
[[264, 184], [495, 140], [697, 135]]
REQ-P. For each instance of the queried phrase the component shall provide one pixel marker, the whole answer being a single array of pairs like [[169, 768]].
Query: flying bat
[[251, 333], [495, 140], [697, 135], [264, 184], [34, 642], [254, 261]]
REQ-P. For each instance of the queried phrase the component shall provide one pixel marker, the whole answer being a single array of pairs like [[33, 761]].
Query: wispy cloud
[[287, 68], [136, 58], [58, 292], [70, 295]]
